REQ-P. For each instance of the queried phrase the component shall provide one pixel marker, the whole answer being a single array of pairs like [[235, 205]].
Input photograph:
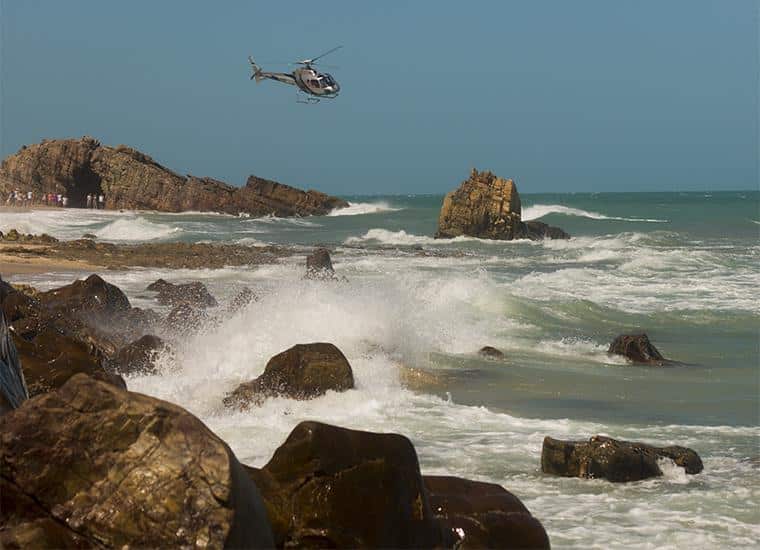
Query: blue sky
[[563, 96]]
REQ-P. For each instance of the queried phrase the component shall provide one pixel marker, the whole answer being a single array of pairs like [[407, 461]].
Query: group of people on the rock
[[28, 198], [96, 201]]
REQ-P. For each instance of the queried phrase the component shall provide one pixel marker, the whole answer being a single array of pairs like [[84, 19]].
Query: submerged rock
[[304, 371], [331, 487], [483, 515], [607, 458], [110, 468], [488, 207], [489, 352], [637, 348]]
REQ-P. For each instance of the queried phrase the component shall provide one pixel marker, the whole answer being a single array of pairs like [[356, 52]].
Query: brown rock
[[488, 207], [94, 466], [185, 319], [319, 265], [139, 356], [131, 180], [92, 295], [241, 300], [637, 348], [304, 371], [330, 487], [483, 515], [607, 458], [489, 352], [195, 294]]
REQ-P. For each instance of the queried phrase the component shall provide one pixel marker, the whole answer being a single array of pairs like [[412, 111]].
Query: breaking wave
[[359, 208], [135, 229], [540, 210], [402, 238]]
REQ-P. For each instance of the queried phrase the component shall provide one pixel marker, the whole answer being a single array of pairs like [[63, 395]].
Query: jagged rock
[[195, 294], [131, 180], [93, 466], [92, 295], [637, 348], [319, 265], [12, 235], [304, 371], [331, 487], [139, 357], [607, 458], [489, 352], [488, 207], [483, 515]]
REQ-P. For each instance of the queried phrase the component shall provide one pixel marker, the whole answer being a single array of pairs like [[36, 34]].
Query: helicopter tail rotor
[[256, 70]]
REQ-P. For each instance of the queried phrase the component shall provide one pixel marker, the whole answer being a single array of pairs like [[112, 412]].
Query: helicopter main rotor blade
[[324, 54]]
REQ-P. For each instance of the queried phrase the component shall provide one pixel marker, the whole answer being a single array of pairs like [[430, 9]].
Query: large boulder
[[131, 180], [194, 294], [93, 466], [483, 515], [488, 207], [638, 349], [319, 265], [139, 357], [331, 487], [304, 371], [91, 296], [611, 459]]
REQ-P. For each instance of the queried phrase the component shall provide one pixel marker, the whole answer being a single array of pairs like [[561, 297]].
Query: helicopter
[[315, 84]]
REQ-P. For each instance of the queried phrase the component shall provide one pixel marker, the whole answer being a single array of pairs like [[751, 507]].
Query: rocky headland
[[488, 207], [131, 180]]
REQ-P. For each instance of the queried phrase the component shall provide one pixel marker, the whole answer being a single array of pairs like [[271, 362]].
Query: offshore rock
[[488, 207], [331, 487], [195, 294], [319, 265], [132, 180], [483, 515], [304, 371], [637, 348], [607, 458], [489, 352], [93, 466]]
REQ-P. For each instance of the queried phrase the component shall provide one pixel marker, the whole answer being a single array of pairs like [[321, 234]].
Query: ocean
[[683, 267]]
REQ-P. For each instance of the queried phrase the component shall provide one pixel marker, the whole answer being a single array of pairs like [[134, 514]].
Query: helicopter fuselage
[[306, 78]]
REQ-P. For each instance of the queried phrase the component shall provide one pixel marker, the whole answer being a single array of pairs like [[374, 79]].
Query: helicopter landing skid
[[306, 100]]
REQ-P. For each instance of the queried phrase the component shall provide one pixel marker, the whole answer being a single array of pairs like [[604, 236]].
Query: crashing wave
[[540, 210]]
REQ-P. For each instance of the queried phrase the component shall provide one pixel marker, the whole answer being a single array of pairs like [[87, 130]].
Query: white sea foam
[[402, 238], [537, 211], [359, 208], [136, 229], [294, 221]]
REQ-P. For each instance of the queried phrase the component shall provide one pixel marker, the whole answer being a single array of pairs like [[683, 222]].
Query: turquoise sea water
[[683, 267]]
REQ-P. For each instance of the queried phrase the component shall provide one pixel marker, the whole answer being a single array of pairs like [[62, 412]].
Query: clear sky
[[603, 95]]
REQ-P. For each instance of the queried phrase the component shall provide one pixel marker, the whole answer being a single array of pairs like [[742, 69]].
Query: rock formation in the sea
[[490, 352], [138, 357], [304, 371], [638, 349], [319, 265], [195, 294], [94, 466], [607, 458], [488, 207], [132, 180], [483, 515]]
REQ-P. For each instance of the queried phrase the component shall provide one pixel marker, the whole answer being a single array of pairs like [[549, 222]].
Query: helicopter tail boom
[[257, 73]]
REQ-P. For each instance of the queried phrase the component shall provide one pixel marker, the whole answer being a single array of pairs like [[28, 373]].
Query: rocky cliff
[[488, 207], [132, 180]]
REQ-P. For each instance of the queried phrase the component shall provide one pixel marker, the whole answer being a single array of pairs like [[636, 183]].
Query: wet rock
[[139, 357], [489, 352], [92, 295], [12, 235], [483, 515], [195, 294], [637, 348], [110, 468], [184, 319], [89, 236], [611, 459], [241, 300], [488, 207], [319, 265], [51, 358], [304, 371], [330, 487]]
